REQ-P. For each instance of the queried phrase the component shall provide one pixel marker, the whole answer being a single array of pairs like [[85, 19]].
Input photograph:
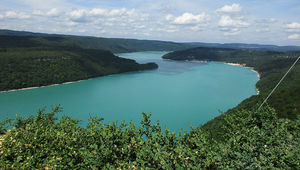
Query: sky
[[212, 21]]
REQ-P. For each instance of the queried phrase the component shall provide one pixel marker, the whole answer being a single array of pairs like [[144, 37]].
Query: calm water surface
[[178, 93]]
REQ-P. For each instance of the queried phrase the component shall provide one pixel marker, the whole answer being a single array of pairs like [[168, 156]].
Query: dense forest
[[25, 62], [116, 45], [260, 47]]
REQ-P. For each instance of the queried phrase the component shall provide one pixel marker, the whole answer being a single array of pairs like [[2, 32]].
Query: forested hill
[[115, 45], [220, 54], [35, 59], [271, 66], [261, 47], [28, 61]]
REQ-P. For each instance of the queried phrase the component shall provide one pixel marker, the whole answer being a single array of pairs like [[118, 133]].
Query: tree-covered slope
[[261, 47], [37, 66], [115, 45], [271, 66], [246, 56], [118, 45], [253, 140]]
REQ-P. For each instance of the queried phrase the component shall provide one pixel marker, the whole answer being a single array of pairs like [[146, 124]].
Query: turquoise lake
[[178, 93]]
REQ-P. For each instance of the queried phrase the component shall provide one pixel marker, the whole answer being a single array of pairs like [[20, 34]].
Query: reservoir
[[178, 93]]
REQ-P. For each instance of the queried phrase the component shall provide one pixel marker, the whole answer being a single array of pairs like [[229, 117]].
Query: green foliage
[[258, 140], [4, 126]]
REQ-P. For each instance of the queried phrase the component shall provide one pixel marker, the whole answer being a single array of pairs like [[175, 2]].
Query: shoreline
[[245, 66], [35, 87], [252, 69], [232, 64], [68, 82]]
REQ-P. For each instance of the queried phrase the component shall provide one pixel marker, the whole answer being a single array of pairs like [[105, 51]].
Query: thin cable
[[278, 83]]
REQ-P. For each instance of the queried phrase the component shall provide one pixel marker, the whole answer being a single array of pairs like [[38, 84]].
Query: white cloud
[[272, 20], [146, 34], [15, 15], [231, 25], [108, 24], [98, 12], [232, 33], [169, 17], [293, 27], [227, 21], [70, 23], [188, 18], [105, 12], [263, 30], [234, 8], [37, 12], [196, 28], [78, 15], [140, 26], [82, 30], [171, 30], [51, 13], [265, 20], [102, 31], [83, 15], [45, 5], [121, 12], [194, 22], [168, 30], [294, 37]]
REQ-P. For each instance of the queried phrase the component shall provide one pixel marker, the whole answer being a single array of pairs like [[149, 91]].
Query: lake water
[[177, 94]]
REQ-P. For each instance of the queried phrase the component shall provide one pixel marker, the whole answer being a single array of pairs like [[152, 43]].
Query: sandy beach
[[69, 82], [232, 64], [28, 88], [244, 65]]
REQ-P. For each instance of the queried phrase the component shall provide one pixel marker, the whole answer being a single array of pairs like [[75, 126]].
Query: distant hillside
[[29, 59], [115, 45], [248, 46], [220, 54], [30, 67], [270, 65], [119, 45]]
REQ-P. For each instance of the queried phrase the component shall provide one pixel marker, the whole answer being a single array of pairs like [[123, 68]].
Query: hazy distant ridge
[[131, 45], [115, 45]]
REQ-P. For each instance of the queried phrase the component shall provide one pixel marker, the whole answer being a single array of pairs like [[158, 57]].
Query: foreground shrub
[[258, 140]]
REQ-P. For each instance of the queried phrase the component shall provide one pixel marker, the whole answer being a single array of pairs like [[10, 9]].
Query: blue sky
[[221, 21]]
